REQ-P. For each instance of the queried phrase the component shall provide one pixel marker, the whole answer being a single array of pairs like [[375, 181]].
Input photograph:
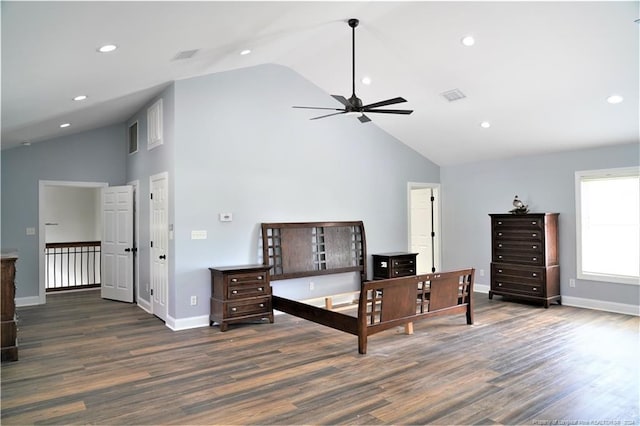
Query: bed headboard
[[302, 249]]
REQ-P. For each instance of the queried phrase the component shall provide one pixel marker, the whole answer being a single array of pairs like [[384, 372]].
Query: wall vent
[[185, 54], [453, 95]]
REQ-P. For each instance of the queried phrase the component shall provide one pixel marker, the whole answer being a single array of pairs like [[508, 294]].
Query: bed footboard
[[384, 304]]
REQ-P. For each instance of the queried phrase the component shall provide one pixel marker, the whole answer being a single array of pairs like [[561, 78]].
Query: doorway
[[424, 225]]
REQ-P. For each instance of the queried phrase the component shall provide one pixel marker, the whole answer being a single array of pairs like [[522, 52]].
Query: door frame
[[437, 225], [136, 238], [42, 184], [159, 176]]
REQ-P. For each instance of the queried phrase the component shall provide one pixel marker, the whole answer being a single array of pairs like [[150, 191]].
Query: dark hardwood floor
[[84, 360]]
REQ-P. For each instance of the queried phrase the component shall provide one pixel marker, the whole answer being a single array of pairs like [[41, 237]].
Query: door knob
[[127, 249], [162, 256]]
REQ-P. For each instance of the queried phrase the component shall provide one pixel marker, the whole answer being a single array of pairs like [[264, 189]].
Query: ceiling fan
[[354, 105]]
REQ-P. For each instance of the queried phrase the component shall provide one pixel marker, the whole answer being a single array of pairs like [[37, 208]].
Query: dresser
[[524, 257], [393, 265], [239, 294], [8, 328]]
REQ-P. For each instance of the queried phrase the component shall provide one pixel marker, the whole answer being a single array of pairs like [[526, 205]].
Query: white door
[[159, 232], [117, 243], [423, 228]]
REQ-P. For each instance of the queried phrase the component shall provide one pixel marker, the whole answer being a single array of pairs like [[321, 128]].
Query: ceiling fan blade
[[341, 99], [306, 107], [328, 115], [397, 100], [390, 111], [364, 119]]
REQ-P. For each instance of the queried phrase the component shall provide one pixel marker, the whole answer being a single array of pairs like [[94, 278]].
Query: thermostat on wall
[[226, 217]]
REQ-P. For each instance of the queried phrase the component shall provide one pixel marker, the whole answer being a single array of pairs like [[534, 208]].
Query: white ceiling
[[540, 72]]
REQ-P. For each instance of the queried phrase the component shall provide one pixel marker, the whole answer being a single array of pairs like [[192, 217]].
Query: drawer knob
[[499, 245], [234, 280], [535, 247], [260, 288], [534, 258], [534, 234], [499, 284], [499, 270], [396, 272], [259, 277], [262, 304], [534, 289], [534, 274], [234, 309], [410, 270], [234, 292], [533, 222], [499, 222], [500, 233], [500, 257]]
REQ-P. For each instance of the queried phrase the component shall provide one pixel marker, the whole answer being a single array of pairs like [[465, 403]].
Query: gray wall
[[94, 156], [141, 166], [241, 148], [546, 184]]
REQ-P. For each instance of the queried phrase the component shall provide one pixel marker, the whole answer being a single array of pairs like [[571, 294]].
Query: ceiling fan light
[[354, 114], [80, 98], [245, 52]]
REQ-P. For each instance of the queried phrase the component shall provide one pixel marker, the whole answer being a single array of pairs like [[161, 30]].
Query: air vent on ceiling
[[185, 54], [453, 95]]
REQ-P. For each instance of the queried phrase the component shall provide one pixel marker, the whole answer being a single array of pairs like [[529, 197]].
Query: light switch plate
[[198, 235], [226, 217], [31, 231]]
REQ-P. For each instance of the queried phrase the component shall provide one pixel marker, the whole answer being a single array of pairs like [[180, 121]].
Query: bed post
[[362, 320], [470, 277]]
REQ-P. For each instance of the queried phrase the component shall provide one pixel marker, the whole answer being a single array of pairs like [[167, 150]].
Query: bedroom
[[258, 164]]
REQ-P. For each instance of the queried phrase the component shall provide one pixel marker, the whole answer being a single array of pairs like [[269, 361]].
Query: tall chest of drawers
[[524, 257], [240, 293]]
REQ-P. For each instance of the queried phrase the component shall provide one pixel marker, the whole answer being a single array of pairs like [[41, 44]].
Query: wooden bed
[[307, 249]]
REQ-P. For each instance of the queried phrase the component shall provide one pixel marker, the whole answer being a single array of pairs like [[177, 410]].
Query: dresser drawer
[[403, 271], [523, 246], [246, 278], [243, 308], [531, 276], [525, 236], [518, 223], [509, 286], [521, 258]]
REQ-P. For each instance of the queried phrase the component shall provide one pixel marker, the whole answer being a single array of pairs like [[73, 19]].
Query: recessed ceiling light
[[107, 48], [80, 98], [468, 41], [63, 125], [485, 124], [245, 52], [615, 99], [366, 80]]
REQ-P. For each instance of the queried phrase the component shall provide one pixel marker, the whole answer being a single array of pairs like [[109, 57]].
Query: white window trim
[[154, 125], [579, 176], [137, 124]]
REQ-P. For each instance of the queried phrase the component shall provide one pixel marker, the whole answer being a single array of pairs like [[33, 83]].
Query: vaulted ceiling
[[539, 72]]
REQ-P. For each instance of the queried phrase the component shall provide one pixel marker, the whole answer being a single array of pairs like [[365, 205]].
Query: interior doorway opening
[[424, 225]]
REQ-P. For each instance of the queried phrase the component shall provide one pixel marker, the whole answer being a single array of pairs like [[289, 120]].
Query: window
[[154, 125], [133, 137], [608, 228]]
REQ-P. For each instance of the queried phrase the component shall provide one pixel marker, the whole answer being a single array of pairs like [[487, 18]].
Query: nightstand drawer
[[517, 287], [247, 289], [249, 307]]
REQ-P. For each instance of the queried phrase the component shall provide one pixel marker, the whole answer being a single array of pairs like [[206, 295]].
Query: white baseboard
[[481, 288], [144, 305], [600, 305], [187, 323], [28, 301]]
